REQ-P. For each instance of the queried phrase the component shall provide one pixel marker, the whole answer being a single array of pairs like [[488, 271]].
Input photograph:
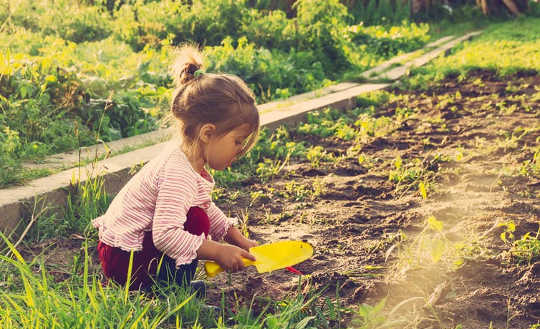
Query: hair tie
[[198, 73]]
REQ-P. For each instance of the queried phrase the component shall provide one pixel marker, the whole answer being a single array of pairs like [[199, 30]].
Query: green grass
[[504, 48], [33, 298], [36, 300]]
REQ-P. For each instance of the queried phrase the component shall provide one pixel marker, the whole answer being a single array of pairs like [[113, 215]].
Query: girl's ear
[[206, 132]]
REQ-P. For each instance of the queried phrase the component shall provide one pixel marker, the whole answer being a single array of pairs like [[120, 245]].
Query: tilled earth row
[[439, 260]]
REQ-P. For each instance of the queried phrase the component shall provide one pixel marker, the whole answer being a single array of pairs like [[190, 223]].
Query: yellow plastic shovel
[[271, 256]]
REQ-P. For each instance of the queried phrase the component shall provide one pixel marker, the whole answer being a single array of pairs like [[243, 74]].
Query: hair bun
[[188, 61], [191, 68]]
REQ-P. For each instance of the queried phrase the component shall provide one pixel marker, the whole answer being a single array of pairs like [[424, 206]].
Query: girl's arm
[[234, 236]]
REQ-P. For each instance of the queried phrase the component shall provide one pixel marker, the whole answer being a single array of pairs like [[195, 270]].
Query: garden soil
[[439, 261], [361, 223]]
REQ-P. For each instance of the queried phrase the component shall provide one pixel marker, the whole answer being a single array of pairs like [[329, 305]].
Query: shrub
[[146, 24], [46, 105], [268, 73], [321, 26], [205, 22], [270, 30], [63, 18], [389, 41]]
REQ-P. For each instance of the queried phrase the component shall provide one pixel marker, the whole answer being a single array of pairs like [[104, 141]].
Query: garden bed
[[420, 211]]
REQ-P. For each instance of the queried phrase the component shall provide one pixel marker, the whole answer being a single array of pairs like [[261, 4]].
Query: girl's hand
[[234, 236], [246, 243], [229, 257]]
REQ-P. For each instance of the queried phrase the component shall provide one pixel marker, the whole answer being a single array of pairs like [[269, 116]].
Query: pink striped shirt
[[157, 199]]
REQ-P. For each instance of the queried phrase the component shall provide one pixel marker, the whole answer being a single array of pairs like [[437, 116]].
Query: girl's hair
[[220, 99]]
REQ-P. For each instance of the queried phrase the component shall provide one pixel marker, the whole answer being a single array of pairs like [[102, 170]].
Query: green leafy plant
[[526, 249], [531, 167], [316, 154], [300, 192]]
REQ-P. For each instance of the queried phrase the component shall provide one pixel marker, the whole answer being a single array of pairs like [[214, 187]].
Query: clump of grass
[[85, 201], [33, 300], [504, 48]]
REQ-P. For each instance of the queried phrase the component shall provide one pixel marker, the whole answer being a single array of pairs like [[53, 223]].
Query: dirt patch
[[484, 128]]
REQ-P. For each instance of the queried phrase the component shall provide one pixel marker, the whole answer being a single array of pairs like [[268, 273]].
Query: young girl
[[164, 214]]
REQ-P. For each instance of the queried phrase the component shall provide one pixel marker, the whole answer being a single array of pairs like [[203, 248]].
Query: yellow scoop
[[271, 256]]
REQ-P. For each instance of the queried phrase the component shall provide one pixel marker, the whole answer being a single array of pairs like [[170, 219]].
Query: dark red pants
[[146, 267]]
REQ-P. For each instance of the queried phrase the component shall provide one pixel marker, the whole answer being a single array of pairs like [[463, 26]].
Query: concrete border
[[398, 72], [67, 160], [374, 72], [17, 203]]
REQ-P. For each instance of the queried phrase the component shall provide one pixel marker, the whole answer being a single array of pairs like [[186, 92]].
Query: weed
[[243, 220], [375, 127], [509, 228], [269, 169], [254, 196], [531, 167], [526, 249], [415, 174], [301, 192], [431, 246], [373, 317], [316, 154], [422, 189], [218, 193]]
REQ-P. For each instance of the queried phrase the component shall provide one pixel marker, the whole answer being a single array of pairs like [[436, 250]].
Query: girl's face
[[222, 151]]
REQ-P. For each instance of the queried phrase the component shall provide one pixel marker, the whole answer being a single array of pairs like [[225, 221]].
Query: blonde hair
[[220, 99]]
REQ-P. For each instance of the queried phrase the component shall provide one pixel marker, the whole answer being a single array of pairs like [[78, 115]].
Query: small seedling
[[526, 249]]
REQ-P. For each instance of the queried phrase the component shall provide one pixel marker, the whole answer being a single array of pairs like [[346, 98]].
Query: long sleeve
[[219, 223], [177, 191]]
